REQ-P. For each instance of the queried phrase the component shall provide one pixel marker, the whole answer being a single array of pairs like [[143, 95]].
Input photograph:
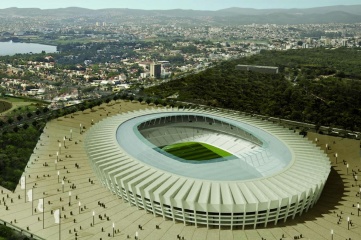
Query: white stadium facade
[[273, 175]]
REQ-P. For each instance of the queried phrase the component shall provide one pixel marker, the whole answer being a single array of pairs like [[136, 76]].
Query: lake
[[12, 48]]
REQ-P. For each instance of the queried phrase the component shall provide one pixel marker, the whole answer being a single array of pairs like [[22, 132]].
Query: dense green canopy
[[320, 86], [16, 148]]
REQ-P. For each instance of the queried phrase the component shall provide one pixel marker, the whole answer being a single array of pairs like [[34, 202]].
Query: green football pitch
[[195, 151]]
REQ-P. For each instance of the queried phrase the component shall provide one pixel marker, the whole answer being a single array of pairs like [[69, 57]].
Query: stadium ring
[[274, 174]]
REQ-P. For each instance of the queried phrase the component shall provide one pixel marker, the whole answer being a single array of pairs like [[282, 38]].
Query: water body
[[12, 48]]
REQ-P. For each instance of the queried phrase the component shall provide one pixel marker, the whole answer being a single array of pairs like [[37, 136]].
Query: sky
[[173, 4]]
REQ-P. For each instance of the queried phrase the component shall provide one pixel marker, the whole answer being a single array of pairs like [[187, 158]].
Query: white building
[[273, 175]]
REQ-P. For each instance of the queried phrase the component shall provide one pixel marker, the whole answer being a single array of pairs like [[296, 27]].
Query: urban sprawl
[[133, 55]]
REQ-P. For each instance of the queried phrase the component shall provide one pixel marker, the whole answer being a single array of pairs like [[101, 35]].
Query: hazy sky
[[172, 4]]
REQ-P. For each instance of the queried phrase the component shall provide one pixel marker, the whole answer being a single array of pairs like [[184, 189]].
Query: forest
[[16, 148], [319, 86]]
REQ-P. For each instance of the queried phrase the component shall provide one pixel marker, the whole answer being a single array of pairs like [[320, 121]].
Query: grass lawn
[[21, 105], [195, 151]]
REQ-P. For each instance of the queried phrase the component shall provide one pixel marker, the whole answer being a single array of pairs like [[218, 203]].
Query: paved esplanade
[[336, 201]]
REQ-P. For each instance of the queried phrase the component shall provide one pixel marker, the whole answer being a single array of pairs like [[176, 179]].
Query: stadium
[[207, 167]]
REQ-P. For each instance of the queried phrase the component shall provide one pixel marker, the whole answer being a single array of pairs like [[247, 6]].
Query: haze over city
[[165, 4]]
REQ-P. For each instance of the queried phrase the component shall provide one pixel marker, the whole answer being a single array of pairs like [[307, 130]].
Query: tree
[[10, 120], [91, 104], [115, 97], [6, 232], [34, 123], [16, 129]]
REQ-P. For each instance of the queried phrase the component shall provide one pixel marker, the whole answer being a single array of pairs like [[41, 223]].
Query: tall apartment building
[[155, 70]]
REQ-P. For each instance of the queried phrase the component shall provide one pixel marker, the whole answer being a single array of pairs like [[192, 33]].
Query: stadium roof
[[304, 174]]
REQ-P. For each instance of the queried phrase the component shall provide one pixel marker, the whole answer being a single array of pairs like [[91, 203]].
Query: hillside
[[353, 9], [335, 14], [313, 86]]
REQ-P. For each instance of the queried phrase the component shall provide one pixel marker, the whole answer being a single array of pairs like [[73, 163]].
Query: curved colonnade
[[253, 201]]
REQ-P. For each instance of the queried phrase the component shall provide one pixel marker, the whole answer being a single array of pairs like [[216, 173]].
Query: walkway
[[338, 199]]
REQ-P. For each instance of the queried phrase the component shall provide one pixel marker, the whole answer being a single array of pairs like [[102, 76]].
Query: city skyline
[[166, 4]]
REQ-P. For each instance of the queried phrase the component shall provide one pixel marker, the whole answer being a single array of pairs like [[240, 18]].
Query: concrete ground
[[337, 202]]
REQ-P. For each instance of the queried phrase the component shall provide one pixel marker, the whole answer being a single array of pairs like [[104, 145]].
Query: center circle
[[255, 153]]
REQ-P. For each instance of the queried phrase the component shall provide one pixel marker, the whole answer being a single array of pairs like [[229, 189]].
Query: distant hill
[[332, 14], [352, 9], [289, 18]]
